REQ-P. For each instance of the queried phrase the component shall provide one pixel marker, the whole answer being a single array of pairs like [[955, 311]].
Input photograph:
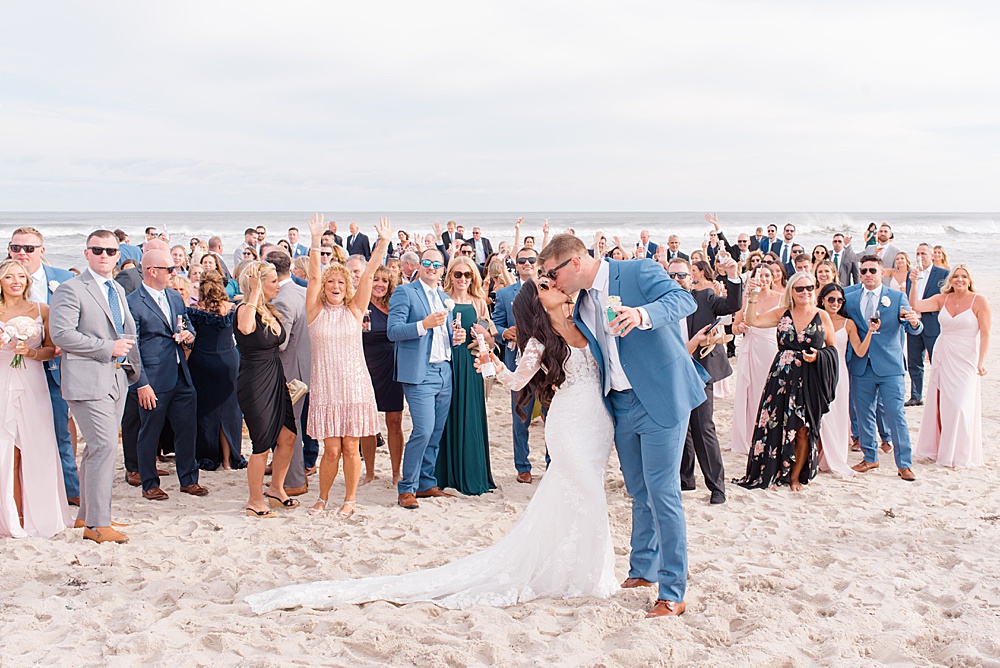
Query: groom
[[650, 404]]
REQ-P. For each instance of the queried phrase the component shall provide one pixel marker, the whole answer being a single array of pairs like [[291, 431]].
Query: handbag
[[296, 389]]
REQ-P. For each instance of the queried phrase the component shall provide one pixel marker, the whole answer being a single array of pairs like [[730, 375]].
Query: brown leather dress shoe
[[524, 476], [195, 490], [155, 494], [432, 492], [666, 609], [907, 474], [863, 466], [408, 501], [161, 473], [886, 447], [104, 535], [632, 583], [133, 478], [73, 501], [297, 491], [79, 524]]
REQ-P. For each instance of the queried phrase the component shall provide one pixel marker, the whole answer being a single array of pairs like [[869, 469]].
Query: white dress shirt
[[440, 345], [922, 276], [39, 289], [103, 282]]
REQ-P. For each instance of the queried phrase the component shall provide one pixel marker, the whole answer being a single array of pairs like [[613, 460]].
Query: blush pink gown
[[953, 395], [753, 365], [835, 429], [26, 423]]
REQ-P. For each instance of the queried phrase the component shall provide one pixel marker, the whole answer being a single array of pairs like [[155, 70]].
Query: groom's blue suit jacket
[[886, 349], [665, 378]]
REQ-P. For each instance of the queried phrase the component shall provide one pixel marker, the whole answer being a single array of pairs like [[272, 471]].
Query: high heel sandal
[[342, 515], [316, 511], [261, 514], [275, 502]]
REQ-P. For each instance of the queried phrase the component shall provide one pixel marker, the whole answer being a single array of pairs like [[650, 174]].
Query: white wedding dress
[[561, 546]]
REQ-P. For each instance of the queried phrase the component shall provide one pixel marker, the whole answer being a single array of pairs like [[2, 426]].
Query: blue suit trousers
[[429, 403], [890, 389]]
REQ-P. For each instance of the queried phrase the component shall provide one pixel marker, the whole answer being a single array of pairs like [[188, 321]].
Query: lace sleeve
[[527, 367]]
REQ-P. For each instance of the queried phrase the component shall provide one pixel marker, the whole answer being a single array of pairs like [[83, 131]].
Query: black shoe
[[685, 488], [379, 441], [717, 498], [914, 402]]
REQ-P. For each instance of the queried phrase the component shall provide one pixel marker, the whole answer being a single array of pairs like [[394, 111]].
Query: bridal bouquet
[[19, 329]]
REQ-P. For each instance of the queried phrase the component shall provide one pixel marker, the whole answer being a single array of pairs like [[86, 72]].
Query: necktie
[[784, 253], [165, 307], [836, 260], [116, 314], [600, 336], [869, 305]]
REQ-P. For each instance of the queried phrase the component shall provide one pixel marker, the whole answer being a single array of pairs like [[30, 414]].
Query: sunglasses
[[466, 252], [804, 288], [868, 270], [543, 285], [835, 300], [526, 260], [678, 274], [170, 269], [17, 248], [551, 274], [432, 263], [97, 250], [324, 253], [467, 275]]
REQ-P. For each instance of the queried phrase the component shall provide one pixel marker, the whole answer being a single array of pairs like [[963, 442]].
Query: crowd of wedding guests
[[305, 340]]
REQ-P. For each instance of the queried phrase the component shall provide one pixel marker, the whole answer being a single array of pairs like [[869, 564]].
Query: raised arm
[[359, 303], [314, 288], [929, 305], [754, 319], [517, 234], [545, 234]]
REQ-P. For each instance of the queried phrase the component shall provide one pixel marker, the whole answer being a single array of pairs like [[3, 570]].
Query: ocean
[[967, 237]]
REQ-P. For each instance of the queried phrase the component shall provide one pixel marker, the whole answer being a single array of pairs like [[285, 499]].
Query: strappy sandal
[[275, 502], [261, 514], [342, 515], [316, 511]]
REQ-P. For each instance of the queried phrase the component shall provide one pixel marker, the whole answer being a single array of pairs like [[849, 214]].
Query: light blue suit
[[426, 386], [298, 250], [503, 317], [884, 433], [60, 410], [880, 372], [651, 418]]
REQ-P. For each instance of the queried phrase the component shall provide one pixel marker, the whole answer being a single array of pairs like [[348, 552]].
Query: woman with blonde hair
[[215, 367], [940, 258], [339, 255], [261, 390], [32, 494], [895, 277], [497, 278], [380, 359], [951, 431], [464, 458], [342, 404], [179, 255]]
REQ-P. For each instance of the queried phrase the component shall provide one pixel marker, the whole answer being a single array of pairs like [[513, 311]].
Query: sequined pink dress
[[341, 398]]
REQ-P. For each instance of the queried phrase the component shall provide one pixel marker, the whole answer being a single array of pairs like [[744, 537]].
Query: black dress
[[796, 395], [214, 365], [260, 387], [380, 358]]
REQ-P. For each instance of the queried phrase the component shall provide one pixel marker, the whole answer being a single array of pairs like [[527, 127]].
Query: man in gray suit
[[90, 321], [844, 259], [295, 354]]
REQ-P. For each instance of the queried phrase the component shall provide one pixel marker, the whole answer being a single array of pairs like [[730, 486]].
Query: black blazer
[[680, 254], [710, 307], [359, 245], [447, 238], [130, 279]]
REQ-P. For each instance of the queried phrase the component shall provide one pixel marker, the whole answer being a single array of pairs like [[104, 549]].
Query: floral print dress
[[784, 409]]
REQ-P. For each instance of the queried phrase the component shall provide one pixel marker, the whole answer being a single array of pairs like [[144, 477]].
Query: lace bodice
[[580, 367]]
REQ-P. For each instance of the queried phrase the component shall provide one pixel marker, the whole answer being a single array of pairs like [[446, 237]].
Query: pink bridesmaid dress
[[26, 423], [953, 395], [753, 365], [835, 429]]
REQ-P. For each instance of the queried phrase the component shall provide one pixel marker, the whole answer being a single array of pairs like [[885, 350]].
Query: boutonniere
[[449, 304], [885, 301], [53, 285]]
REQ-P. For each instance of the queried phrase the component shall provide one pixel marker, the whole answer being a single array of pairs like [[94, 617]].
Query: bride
[[561, 546]]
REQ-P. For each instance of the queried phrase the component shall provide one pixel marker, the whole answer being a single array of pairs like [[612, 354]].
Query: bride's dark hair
[[533, 322]]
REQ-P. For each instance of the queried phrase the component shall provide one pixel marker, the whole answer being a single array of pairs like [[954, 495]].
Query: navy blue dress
[[380, 358], [214, 365]]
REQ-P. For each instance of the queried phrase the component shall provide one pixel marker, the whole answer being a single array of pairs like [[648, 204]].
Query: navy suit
[[916, 344], [651, 250], [765, 245], [651, 419], [879, 373], [503, 317], [426, 386], [60, 409], [165, 370]]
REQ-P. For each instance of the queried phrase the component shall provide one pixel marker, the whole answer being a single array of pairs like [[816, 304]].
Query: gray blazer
[[295, 352], [848, 266], [80, 323]]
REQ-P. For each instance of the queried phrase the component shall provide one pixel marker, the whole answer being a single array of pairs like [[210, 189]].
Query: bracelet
[[32, 350], [315, 248], [751, 301]]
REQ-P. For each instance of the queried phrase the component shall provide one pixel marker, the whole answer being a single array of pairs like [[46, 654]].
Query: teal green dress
[[463, 461]]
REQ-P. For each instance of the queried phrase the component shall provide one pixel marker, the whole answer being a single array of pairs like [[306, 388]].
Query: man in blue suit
[[929, 281], [164, 388], [27, 247], [298, 250], [771, 241], [879, 373], [503, 318], [650, 403], [420, 325]]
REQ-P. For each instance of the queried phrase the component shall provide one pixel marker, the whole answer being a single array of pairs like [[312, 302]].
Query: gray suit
[[848, 266], [296, 356], [93, 385]]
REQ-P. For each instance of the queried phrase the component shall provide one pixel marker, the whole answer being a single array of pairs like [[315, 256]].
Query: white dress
[[561, 547]]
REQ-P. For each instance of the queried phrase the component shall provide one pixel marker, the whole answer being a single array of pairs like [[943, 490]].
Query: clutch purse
[[296, 389]]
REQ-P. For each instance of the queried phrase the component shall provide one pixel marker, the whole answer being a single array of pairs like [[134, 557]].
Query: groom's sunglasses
[[551, 273], [98, 250]]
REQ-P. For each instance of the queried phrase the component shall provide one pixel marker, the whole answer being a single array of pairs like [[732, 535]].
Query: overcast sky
[[500, 106]]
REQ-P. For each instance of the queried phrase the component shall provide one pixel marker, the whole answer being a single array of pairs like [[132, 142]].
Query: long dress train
[[835, 430], [953, 395], [561, 547]]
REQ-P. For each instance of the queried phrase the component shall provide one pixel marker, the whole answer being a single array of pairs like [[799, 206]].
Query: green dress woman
[[464, 457]]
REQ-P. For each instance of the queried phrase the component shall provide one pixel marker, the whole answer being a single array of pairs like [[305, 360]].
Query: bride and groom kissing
[[605, 390]]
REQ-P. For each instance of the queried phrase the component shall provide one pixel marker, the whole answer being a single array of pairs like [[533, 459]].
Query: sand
[[860, 572]]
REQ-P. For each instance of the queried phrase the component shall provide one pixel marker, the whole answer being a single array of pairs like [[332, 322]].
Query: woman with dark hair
[[870, 235], [561, 547], [835, 430], [778, 273], [820, 253]]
